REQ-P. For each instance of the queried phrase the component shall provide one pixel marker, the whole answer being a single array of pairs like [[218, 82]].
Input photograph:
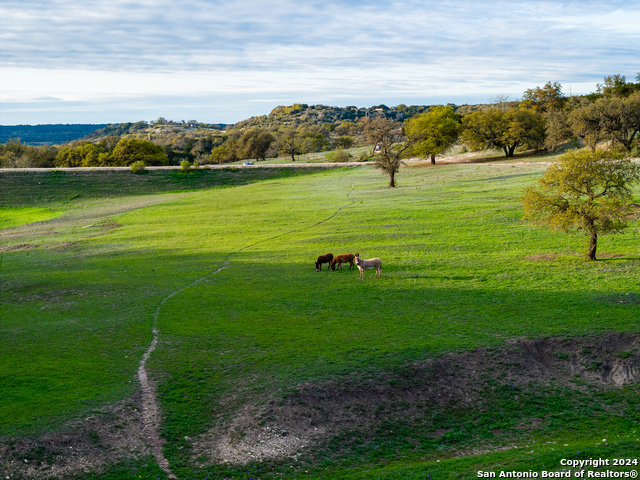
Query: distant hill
[[46, 134], [295, 114], [158, 127], [301, 113]]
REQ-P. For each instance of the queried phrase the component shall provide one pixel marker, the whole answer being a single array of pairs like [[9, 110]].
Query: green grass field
[[250, 334]]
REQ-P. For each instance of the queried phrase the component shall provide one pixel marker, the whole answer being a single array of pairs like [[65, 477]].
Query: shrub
[[592, 365], [130, 150], [195, 164], [339, 156], [344, 142], [185, 166], [624, 354], [138, 167]]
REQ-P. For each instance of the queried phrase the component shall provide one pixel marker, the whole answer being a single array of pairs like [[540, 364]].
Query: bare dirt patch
[[612, 255], [287, 425], [634, 211], [112, 435], [554, 257], [46, 246], [22, 246], [92, 219], [483, 156], [151, 410], [284, 427], [543, 257]]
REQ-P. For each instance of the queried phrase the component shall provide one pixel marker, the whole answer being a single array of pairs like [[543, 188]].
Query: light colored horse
[[370, 264]]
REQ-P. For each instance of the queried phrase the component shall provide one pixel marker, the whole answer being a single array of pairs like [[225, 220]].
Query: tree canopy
[[585, 190], [611, 118], [432, 132], [291, 141], [131, 150], [506, 130], [294, 141], [549, 97], [255, 143], [15, 154], [616, 86], [389, 146]]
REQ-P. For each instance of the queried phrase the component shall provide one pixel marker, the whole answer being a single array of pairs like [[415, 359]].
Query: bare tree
[[390, 147]]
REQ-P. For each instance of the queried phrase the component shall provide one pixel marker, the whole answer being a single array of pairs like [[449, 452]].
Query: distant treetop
[[301, 113]]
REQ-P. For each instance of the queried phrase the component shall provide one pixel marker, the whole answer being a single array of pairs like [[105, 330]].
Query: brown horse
[[326, 258], [340, 259]]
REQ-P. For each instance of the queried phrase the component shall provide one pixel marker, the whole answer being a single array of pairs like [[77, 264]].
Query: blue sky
[[93, 61]]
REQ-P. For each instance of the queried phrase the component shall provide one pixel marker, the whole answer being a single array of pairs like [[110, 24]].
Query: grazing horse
[[370, 264], [326, 258], [340, 259]]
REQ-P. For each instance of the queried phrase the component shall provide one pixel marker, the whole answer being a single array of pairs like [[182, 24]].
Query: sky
[[93, 61]]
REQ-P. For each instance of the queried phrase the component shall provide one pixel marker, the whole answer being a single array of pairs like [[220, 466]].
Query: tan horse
[[370, 264]]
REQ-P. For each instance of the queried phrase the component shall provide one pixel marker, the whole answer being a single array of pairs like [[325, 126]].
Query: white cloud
[[90, 50]]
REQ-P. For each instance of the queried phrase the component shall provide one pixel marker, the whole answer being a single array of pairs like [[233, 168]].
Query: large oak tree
[[294, 141], [432, 132], [506, 130], [255, 143], [130, 150], [586, 191]]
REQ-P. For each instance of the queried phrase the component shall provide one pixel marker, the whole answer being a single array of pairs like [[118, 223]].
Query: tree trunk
[[433, 159], [593, 245], [392, 179], [293, 156], [629, 143]]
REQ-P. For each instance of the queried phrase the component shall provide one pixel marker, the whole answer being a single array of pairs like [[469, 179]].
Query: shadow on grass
[[38, 188], [444, 277], [504, 177], [260, 326]]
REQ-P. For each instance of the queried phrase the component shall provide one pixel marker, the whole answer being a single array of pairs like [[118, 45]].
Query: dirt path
[[203, 167], [151, 412]]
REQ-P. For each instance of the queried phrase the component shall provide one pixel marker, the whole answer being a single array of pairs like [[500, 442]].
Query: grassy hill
[[485, 346]]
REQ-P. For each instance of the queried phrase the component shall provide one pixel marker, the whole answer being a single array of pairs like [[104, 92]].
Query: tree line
[[109, 152], [543, 119]]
